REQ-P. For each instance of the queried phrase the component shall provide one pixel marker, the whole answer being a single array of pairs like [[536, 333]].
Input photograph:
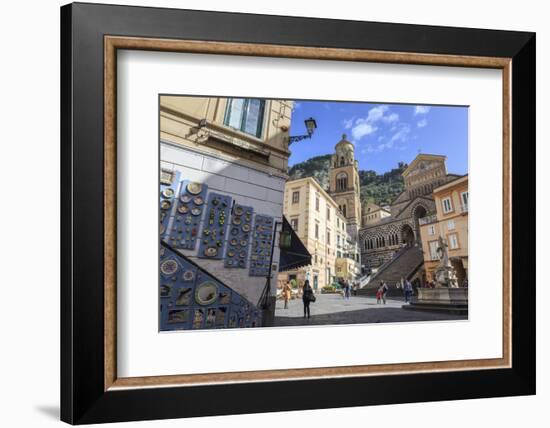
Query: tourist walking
[[379, 293], [307, 298], [344, 286], [287, 290], [384, 291], [408, 289]]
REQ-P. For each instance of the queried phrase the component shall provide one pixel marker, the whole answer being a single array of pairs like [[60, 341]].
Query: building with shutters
[[450, 221], [317, 220]]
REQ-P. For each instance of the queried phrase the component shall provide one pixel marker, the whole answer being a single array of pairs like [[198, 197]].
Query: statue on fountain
[[445, 275]]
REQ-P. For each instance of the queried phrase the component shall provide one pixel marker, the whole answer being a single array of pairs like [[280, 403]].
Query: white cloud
[[390, 118], [402, 135], [348, 123], [376, 113], [362, 129], [297, 105], [365, 126], [421, 110], [422, 123]]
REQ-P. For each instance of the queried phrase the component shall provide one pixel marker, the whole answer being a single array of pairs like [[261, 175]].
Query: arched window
[[342, 161], [341, 181], [344, 210]]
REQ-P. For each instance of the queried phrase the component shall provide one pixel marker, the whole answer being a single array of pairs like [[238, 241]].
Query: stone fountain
[[447, 296], [445, 275]]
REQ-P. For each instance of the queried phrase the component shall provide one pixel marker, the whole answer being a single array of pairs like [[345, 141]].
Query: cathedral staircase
[[404, 265], [364, 281]]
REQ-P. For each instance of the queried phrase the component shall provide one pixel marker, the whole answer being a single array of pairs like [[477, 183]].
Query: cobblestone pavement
[[333, 309]]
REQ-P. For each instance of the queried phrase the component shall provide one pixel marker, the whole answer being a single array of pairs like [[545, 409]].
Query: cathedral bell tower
[[344, 185]]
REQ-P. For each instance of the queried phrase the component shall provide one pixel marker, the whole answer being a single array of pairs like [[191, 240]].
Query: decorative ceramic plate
[[183, 209], [206, 293], [230, 253], [234, 242], [198, 200], [211, 252], [185, 199], [165, 205], [194, 188], [168, 192], [188, 275], [239, 210], [168, 267], [237, 220], [196, 211], [246, 228], [244, 243]]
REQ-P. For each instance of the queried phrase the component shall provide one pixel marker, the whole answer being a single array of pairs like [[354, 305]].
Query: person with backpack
[[307, 298]]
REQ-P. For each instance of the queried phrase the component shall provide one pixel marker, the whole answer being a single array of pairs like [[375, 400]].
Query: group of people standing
[[348, 288], [382, 291], [407, 287]]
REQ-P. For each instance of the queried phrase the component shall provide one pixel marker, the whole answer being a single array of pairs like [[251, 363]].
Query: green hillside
[[316, 167], [377, 188]]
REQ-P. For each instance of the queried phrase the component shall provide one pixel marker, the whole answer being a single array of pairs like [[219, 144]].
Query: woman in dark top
[[307, 297]]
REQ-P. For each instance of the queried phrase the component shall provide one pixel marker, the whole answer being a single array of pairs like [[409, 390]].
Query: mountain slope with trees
[[381, 189]]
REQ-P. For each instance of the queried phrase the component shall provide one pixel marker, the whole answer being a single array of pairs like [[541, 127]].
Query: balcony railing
[[428, 219]]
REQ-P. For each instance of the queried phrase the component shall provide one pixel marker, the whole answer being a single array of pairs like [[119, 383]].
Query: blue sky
[[383, 134]]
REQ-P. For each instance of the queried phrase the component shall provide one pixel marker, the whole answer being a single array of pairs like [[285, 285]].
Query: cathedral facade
[[380, 238]]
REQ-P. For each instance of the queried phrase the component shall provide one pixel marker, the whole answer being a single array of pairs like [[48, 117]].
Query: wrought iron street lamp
[[311, 125]]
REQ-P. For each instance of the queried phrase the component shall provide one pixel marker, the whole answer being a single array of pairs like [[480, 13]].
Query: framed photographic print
[[258, 207]]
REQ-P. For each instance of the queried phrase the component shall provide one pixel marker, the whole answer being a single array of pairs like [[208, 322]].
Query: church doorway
[[407, 235]]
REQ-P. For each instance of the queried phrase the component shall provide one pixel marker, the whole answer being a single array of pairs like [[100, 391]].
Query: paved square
[[334, 309]]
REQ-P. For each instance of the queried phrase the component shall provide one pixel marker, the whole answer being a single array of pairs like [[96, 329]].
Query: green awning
[[294, 253]]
